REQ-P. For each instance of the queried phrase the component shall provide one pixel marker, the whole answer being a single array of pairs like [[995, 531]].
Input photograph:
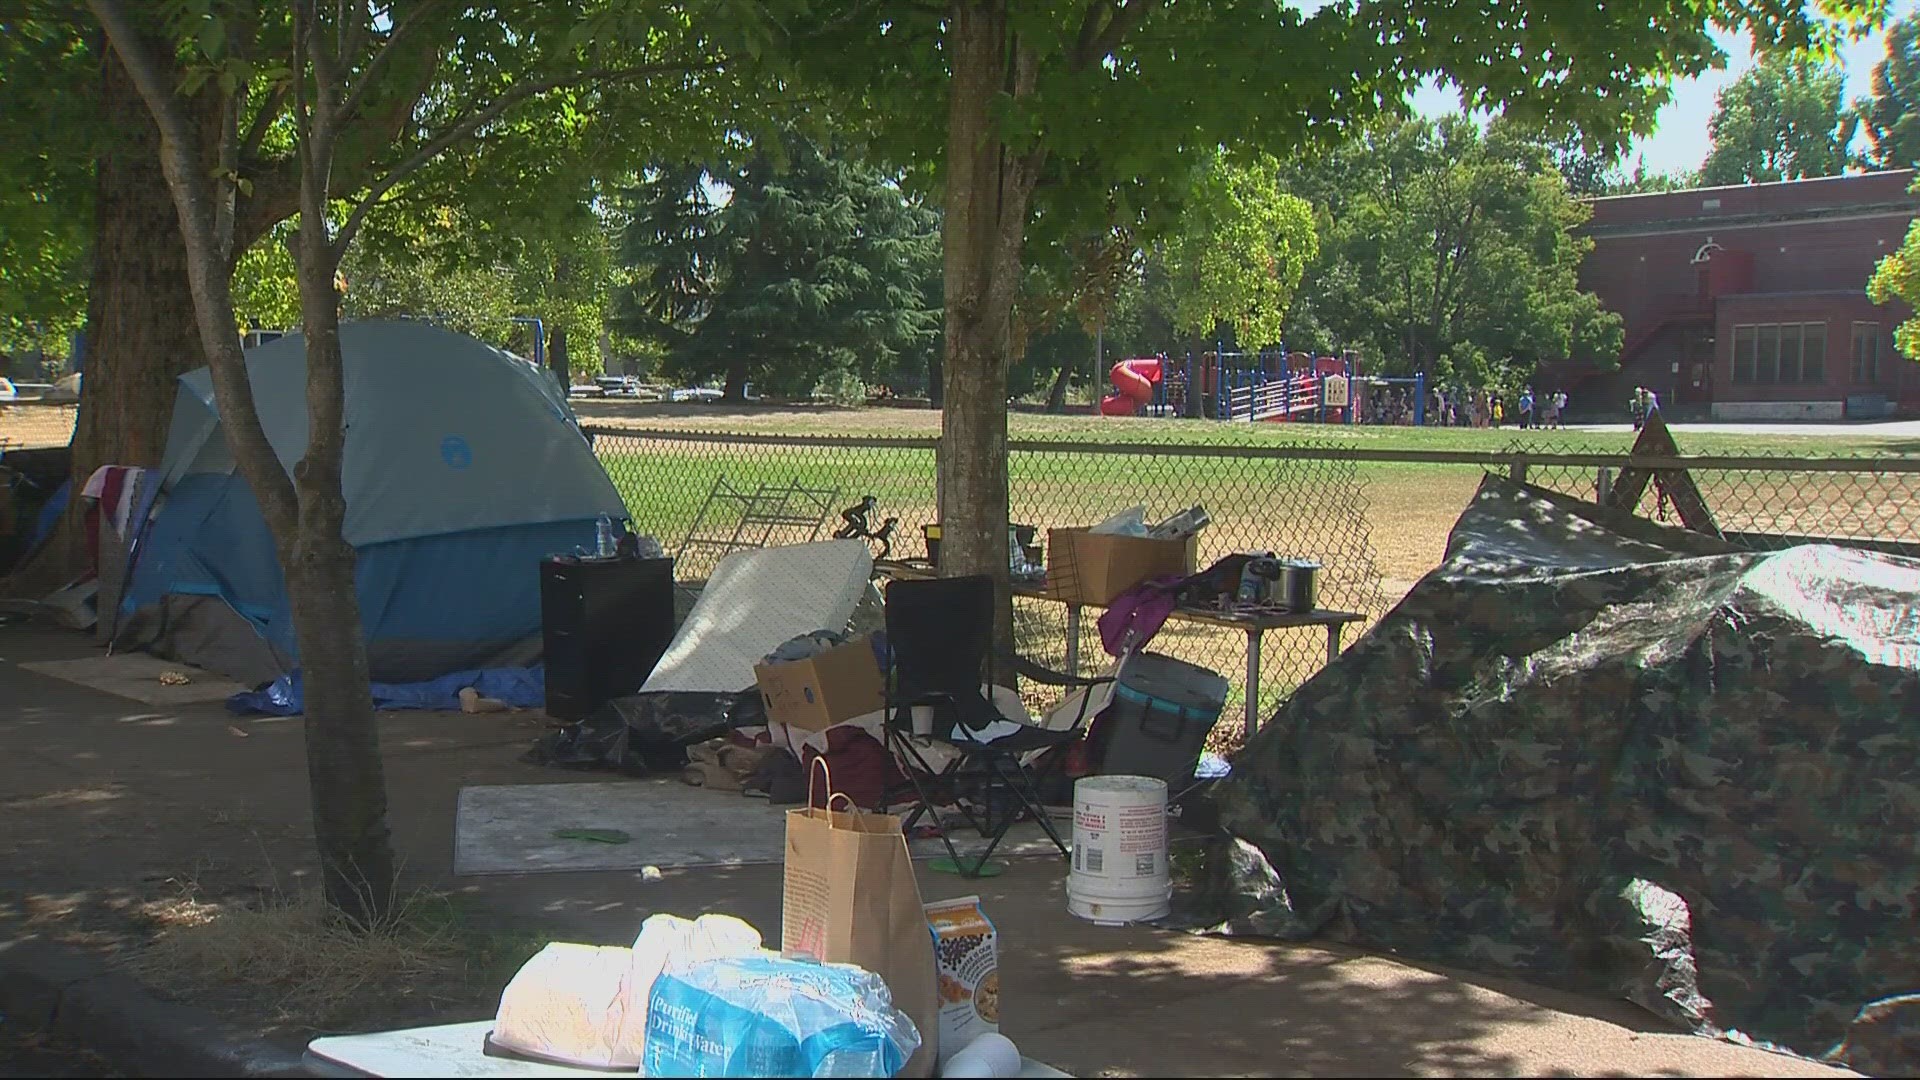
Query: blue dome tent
[[464, 466]]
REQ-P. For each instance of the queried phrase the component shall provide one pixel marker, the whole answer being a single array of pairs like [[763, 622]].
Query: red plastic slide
[[1133, 385]]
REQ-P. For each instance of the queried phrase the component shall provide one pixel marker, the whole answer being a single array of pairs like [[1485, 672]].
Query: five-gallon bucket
[[1119, 872]]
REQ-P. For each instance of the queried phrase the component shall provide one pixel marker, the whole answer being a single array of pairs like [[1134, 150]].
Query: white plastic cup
[[923, 720]]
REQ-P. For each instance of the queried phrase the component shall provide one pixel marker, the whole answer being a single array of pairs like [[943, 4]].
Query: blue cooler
[[1158, 722]]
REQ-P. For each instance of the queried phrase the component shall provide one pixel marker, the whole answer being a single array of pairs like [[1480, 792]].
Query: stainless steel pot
[[1299, 587]]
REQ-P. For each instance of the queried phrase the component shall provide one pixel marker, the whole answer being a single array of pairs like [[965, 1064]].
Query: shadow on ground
[[111, 811]]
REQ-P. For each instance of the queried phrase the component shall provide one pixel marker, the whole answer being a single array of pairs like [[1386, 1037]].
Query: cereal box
[[966, 964]]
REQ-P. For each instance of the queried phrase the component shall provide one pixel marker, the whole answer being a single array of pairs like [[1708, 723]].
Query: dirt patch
[[312, 971]]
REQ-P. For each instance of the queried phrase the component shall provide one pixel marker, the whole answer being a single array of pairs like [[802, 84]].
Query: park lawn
[[925, 423]]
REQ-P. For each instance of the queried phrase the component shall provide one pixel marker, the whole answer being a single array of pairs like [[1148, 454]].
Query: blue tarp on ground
[[523, 688]]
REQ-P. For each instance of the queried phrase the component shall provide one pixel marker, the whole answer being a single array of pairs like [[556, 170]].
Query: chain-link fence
[[704, 494], [1376, 519], [1762, 502]]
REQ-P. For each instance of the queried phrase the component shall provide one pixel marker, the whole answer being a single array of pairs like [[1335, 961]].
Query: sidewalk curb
[[64, 992]]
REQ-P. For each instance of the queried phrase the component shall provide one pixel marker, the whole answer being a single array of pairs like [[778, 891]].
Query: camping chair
[[940, 647]]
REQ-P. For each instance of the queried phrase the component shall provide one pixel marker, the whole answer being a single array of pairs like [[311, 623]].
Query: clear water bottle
[[605, 544]]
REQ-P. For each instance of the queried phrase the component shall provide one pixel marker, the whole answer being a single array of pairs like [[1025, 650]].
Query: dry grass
[[317, 969], [32, 425]]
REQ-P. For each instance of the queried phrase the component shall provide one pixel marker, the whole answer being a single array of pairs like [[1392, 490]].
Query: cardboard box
[[823, 690], [1093, 568]]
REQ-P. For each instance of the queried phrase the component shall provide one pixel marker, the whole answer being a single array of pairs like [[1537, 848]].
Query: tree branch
[[473, 121], [262, 120], [324, 122], [1089, 30], [1118, 27], [371, 75]]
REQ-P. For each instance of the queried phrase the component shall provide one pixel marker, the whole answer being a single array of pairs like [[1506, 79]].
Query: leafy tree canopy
[[1891, 114], [1898, 278], [47, 142], [1451, 251], [1783, 119], [1239, 250]]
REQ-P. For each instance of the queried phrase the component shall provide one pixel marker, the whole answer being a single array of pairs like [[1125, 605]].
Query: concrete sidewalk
[[104, 796]]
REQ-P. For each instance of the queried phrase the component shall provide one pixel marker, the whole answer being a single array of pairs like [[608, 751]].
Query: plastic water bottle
[[603, 540]]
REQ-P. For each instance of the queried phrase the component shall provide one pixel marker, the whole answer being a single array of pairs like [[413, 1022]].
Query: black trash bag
[[647, 732]]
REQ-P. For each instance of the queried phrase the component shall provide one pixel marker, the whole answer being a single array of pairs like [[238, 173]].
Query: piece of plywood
[[136, 675]]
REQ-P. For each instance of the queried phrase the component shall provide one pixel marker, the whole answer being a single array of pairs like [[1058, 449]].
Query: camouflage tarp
[[1604, 754]]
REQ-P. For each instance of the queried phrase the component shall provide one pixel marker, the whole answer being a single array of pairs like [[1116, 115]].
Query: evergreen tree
[[817, 264]]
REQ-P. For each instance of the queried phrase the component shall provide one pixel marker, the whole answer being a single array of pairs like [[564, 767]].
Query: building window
[[1866, 353], [1784, 353]]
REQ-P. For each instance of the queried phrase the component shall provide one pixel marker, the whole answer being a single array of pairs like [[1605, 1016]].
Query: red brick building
[[1750, 302]]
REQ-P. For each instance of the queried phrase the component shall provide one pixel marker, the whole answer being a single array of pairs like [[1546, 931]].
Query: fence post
[[1517, 470], [1603, 486], [940, 504]]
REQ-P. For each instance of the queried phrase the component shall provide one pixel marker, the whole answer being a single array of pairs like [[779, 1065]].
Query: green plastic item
[[593, 836], [946, 865]]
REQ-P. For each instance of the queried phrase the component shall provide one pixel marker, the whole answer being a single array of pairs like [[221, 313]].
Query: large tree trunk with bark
[[987, 192], [140, 333], [345, 775]]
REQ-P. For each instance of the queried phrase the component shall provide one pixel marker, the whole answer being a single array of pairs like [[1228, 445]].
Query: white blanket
[[754, 603]]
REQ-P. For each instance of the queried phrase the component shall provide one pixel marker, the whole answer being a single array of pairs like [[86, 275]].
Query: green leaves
[[1450, 251], [1892, 114], [1784, 119], [1898, 278], [1239, 251], [814, 265]]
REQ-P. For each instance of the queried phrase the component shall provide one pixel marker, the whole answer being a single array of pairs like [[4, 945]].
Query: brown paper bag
[[849, 896]]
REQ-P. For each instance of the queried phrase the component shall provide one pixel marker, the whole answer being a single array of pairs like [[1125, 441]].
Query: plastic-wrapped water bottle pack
[[766, 1015]]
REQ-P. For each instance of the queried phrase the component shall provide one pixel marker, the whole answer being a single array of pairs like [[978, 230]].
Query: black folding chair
[[940, 647]]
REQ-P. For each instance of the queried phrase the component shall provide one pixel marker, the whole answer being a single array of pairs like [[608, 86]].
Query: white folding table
[[454, 1050]]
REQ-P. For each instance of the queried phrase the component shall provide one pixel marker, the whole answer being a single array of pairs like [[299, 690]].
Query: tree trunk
[[1199, 402], [936, 380], [987, 189], [345, 775], [735, 388], [558, 361], [140, 333], [1057, 393]]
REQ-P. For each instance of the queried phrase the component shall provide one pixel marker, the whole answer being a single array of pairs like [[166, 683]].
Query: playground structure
[[1271, 385]]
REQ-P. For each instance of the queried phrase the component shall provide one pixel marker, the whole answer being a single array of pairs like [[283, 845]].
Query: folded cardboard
[[1092, 568], [824, 689]]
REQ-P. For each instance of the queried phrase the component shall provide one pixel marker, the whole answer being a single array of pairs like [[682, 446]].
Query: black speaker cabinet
[[605, 623]]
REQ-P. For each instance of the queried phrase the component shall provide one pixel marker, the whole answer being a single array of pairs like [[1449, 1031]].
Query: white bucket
[[1119, 872]]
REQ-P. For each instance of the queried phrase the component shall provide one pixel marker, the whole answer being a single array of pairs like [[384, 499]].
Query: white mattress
[[754, 603]]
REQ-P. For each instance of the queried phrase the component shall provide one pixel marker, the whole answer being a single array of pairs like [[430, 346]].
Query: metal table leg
[[1253, 680], [1333, 641], [1073, 641]]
